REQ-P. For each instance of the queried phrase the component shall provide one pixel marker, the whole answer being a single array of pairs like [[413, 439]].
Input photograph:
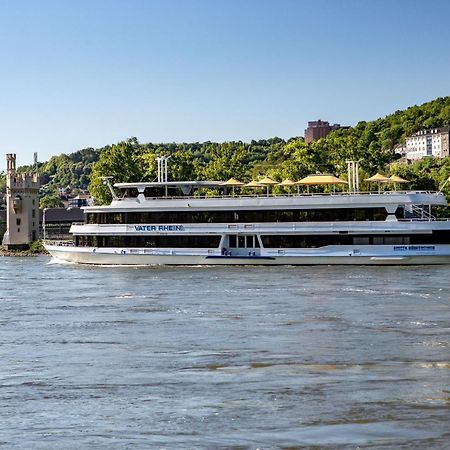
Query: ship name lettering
[[414, 247], [158, 228]]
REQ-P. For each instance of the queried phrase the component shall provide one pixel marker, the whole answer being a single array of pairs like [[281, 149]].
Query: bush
[[37, 247]]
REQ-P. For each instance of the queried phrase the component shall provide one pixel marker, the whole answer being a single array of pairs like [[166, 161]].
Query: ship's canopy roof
[[312, 180], [267, 181], [397, 179], [254, 184], [232, 182], [287, 182], [379, 178]]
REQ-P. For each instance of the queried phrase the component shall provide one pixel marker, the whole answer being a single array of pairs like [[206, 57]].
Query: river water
[[223, 357]]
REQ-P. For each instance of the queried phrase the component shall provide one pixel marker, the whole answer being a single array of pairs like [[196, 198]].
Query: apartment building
[[426, 143], [319, 129]]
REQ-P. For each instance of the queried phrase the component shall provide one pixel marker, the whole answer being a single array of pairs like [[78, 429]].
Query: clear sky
[[76, 74]]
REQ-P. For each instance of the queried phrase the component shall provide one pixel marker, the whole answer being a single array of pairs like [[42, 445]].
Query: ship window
[[242, 216], [111, 218], [244, 241], [304, 241], [130, 193], [400, 212], [154, 192], [269, 241], [393, 240], [149, 241], [311, 241]]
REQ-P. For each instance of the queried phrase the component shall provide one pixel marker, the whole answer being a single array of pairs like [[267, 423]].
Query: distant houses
[[425, 144], [80, 200], [68, 200]]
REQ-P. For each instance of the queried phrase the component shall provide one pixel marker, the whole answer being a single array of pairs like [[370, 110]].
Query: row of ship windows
[[268, 241], [304, 241], [289, 215]]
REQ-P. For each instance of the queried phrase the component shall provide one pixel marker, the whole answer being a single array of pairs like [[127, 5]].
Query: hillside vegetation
[[371, 142]]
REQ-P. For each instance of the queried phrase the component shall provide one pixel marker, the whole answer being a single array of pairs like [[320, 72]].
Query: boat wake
[[60, 261]]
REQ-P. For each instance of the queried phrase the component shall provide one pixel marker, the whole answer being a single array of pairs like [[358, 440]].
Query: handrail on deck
[[423, 219], [59, 242], [303, 194]]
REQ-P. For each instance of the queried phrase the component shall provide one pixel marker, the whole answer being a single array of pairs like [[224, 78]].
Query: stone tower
[[22, 206]]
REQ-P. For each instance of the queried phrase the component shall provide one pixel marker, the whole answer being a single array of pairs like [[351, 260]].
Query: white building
[[426, 143]]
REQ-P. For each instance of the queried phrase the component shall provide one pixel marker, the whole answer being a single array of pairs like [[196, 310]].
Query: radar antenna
[[106, 182]]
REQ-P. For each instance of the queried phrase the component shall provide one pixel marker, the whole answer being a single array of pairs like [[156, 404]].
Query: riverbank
[[22, 253], [35, 249]]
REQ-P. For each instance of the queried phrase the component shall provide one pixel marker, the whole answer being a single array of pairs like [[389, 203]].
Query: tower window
[[18, 222]]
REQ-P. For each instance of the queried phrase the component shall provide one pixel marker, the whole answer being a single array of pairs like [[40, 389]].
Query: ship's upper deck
[[212, 195]]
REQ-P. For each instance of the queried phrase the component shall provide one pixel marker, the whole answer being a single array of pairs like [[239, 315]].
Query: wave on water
[[54, 260]]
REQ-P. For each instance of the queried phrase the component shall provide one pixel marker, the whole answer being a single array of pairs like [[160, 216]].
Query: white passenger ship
[[172, 223]]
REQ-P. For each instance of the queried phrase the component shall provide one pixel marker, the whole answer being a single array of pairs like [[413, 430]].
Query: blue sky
[[78, 74]]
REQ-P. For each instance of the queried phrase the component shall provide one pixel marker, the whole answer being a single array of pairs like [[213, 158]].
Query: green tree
[[2, 182], [51, 200], [123, 162]]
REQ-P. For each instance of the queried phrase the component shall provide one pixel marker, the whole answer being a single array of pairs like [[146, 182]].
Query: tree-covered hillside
[[64, 172], [371, 142]]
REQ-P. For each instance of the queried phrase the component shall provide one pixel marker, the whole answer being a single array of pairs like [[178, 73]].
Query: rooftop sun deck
[[216, 189]]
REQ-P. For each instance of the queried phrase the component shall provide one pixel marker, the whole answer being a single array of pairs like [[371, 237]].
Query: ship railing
[[419, 211], [423, 219], [272, 195], [59, 242]]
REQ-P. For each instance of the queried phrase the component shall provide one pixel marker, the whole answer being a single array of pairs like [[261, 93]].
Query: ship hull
[[331, 256]]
